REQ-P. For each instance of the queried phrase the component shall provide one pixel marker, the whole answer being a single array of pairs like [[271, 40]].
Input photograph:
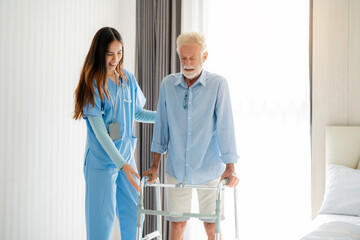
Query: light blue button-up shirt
[[200, 139]]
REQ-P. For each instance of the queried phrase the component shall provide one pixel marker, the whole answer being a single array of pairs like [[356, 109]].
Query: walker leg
[[236, 214], [139, 217], [158, 207], [217, 221]]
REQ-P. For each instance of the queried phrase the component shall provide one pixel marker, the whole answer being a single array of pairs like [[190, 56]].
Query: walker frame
[[157, 234]]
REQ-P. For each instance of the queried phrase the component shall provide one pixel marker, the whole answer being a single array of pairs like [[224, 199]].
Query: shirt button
[[189, 117], [187, 164], [189, 133], [188, 149]]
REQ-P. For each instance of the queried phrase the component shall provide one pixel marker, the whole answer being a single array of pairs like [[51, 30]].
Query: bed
[[339, 215]]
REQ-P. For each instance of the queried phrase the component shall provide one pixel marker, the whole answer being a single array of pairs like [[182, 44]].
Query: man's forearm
[[156, 159], [230, 166]]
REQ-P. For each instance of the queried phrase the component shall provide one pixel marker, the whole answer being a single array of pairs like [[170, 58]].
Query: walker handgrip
[[149, 177], [226, 181]]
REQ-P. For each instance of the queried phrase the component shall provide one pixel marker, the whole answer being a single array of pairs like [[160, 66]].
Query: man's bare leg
[[177, 230], [210, 230]]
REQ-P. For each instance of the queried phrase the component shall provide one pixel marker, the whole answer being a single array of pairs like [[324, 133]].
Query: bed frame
[[343, 145]]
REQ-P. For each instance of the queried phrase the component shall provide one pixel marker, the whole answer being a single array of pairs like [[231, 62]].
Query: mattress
[[334, 227]]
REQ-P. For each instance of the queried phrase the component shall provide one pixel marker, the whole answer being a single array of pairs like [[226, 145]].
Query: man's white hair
[[188, 38]]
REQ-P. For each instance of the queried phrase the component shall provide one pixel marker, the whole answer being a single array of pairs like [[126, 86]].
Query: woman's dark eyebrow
[[112, 52]]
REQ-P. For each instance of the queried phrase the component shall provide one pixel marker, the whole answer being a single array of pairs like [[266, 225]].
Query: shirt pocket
[[126, 147]]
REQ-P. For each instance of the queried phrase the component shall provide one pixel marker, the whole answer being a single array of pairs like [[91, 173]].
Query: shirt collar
[[201, 79]]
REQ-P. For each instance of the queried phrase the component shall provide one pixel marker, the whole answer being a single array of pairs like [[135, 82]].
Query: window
[[261, 48]]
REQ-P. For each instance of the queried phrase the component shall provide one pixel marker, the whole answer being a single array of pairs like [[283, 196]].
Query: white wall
[[336, 78], [42, 48]]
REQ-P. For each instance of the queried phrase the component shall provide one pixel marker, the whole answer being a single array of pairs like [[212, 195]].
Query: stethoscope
[[123, 85]]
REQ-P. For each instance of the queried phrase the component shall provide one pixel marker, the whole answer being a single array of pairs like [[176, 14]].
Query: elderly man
[[194, 124]]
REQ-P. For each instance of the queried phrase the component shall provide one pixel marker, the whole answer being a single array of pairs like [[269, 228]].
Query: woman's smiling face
[[113, 56]]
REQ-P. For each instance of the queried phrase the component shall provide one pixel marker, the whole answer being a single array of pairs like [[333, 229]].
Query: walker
[[157, 234]]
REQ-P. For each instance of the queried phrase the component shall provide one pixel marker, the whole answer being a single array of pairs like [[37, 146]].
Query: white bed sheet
[[334, 227]]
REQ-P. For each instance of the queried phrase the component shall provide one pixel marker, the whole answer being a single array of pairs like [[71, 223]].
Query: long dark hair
[[95, 69]]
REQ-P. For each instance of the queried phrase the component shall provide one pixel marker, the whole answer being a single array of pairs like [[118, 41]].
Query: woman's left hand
[[129, 172]]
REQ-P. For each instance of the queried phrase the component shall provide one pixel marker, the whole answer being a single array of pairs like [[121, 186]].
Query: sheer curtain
[[261, 47]]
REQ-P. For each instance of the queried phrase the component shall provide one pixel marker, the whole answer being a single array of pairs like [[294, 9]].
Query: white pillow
[[342, 194]]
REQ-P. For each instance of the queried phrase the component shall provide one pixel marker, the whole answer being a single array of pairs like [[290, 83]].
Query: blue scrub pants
[[108, 192]]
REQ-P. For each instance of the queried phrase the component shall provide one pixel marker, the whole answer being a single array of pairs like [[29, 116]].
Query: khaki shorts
[[179, 200]]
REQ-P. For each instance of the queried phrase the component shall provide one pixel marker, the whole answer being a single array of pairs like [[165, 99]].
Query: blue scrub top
[[130, 101]]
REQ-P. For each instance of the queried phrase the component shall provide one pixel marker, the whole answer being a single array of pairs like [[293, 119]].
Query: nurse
[[109, 99]]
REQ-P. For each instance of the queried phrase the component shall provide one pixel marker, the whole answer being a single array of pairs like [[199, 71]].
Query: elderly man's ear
[[204, 57]]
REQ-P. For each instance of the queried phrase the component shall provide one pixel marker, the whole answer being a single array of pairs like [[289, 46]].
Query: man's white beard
[[194, 74]]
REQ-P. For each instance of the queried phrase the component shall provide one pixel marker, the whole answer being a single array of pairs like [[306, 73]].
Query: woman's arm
[[145, 116], [98, 126]]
